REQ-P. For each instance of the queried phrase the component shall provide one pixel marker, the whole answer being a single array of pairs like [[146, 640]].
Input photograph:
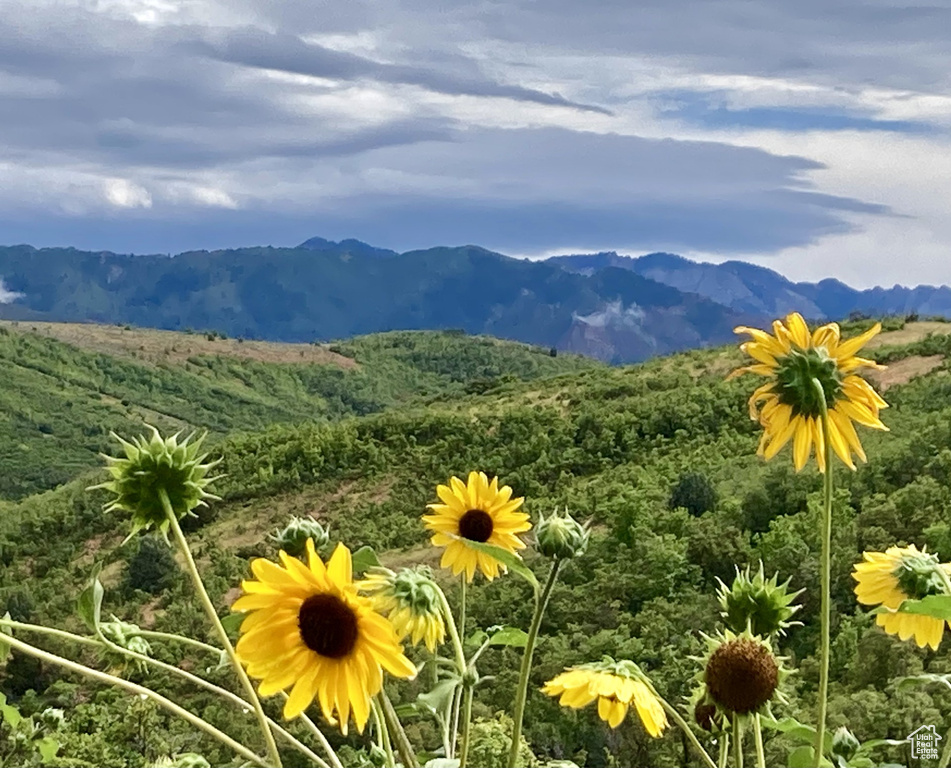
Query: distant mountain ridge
[[323, 290], [758, 290], [615, 308]]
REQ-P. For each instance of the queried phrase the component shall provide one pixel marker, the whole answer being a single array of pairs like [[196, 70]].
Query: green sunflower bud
[[293, 537], [561, 536], [154, 471], [182, 760], [844, 743], [126, 636], [756, 603], [52, 718]]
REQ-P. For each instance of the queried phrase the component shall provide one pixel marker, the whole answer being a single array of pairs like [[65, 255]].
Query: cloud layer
[[809, 137]]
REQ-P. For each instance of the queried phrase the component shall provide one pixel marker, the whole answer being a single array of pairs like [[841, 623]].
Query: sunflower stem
[[140, 690], [682, 724], [758, 734], [383, 732], [737, 740], [521, 695], [825, 608], [273, 755], [462, 605], [466, 723], [392, 720], [198, 644], [724, 749], [455, 713]]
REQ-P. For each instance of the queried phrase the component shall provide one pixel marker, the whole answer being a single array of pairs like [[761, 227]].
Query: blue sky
[[810, 137]]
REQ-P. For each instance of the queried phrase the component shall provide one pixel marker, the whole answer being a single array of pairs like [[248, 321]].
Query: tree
[[695, 493], [152, 568]]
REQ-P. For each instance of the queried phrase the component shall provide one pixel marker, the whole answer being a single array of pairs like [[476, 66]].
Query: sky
[[811, 137]]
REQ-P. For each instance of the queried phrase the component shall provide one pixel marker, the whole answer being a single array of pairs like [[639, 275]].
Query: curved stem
[[308, 723], [682, 724], [209, 607], [946, 753], [392, 720], [149, 633], [738, 740], [758, 734], [466, 722], [455, 713], [140, 690], [521, 695], [825, 608], [319, 735], [171, 669]]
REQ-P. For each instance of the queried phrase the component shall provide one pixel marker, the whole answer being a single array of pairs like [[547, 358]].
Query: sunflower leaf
[[232, 622], [935, 606], [439, 698], [509, 559], [513, 637], [914, 681], [89, 603], [364, 559]]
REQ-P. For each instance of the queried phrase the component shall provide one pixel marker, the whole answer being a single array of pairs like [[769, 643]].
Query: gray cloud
[[288, 53]]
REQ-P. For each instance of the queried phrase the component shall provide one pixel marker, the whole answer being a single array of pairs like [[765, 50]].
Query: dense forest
[[659, 458]]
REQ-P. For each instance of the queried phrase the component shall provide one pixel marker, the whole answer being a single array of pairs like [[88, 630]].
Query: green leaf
[[11, 715], [89, 604], [510, 636], [232, 622], [48, 747], [801, 757], [914, 681], [476, 639], [439, 698], [936, 606], [510, 560], [364, 559]]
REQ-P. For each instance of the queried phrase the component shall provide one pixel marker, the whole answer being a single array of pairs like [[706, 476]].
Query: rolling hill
[[64, 387]]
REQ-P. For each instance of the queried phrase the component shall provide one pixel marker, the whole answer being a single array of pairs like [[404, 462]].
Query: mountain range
[[614, 308]]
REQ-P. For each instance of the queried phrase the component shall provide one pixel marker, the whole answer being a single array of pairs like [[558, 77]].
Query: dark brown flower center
[[741, 676], [476, 525], [328, 626]]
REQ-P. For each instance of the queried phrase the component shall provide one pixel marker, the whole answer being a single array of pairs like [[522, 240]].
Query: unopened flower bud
[[561, 536], [157, 473], [293, 537], [844, 743], [756, 603]]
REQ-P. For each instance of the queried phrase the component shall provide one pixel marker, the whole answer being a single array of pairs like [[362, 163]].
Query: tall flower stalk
[[209, 607], [825, 607]]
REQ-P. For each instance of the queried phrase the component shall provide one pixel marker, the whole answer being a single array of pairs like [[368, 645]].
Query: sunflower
[[477, 511], [410, 599], [788, 407], [308, 627], [903, 573], [616, 685]]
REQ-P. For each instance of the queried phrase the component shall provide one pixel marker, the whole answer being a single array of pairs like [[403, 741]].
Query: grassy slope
[[64, 387], [610, 444]]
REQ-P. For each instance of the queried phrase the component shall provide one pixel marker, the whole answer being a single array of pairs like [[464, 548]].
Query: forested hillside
[[64, 387], [659, 457]]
